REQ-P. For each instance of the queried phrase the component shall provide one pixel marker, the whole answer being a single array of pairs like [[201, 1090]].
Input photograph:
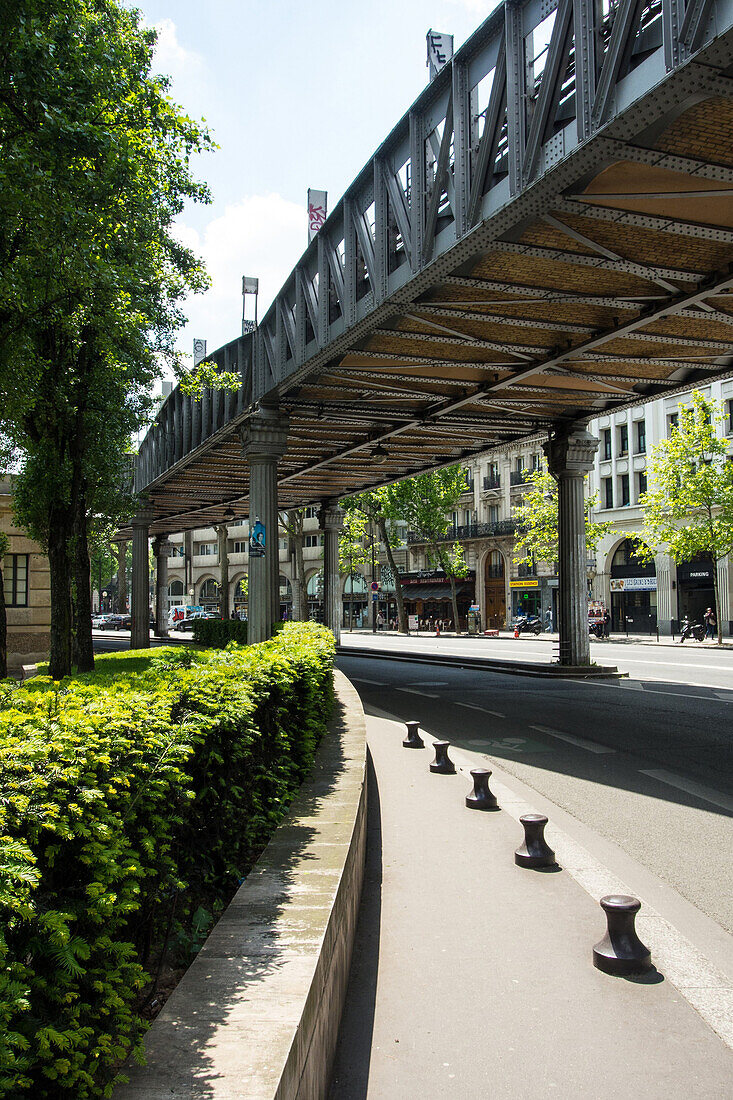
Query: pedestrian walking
[[548, 621], [380, 621], [606, 623], [710, 623]]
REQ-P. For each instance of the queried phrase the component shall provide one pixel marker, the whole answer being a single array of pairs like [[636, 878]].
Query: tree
[[379, 508], [357, 546], [688, 508], [425, 502], [537, 521], [94, 168], [291, 522]]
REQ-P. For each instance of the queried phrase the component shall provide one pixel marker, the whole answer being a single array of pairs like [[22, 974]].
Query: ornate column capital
[[162, 546], [265, 434], [332, 517], [570, 453]]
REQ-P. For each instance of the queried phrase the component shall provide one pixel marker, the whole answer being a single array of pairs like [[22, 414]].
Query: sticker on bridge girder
[[509, 744]]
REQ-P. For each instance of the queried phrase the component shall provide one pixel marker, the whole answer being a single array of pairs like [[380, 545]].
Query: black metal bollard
[[621, 951], [535, 852], [413, 739], [481, 798], [442, 764]]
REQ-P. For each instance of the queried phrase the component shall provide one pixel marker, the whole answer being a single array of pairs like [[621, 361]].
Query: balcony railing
[[470, 531], [492, 482], [518, 477]]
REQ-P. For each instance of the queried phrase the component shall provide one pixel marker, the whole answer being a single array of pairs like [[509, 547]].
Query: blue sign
[[257, 540]]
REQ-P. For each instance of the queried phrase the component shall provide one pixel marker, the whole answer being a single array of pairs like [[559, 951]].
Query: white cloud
[[261, 236], [171, 57]]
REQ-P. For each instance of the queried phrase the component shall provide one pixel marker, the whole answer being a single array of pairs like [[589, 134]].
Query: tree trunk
[[3, 627], [60, 577], [401, 613], [84, 648], [454, 601], [223, 537]]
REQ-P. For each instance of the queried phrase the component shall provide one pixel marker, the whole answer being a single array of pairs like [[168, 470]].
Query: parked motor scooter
[[528, 624], [595, 628], [692, 630]]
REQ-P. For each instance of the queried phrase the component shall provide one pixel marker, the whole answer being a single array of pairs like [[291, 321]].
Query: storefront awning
[[436, 592]]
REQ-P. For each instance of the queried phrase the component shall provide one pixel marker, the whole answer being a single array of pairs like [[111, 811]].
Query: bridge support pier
[[161, 550], [333, 522], [570, 456], [140, 636], [264, 439]]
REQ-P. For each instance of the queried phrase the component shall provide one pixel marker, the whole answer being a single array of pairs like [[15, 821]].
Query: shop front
[[633, 585], [427, 596], [526, 596], [695, 589], [355, 602]]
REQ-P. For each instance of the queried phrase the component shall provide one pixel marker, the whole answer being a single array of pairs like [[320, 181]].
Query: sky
[[296, 96]]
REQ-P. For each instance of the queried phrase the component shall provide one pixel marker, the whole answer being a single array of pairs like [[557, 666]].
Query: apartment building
[[27, 589]]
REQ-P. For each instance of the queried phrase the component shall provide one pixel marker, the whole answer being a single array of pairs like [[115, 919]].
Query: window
[[310, 540], [607, 484], [641, 437], [623, 439], [672, 419], [454, 521], [239, 548], [493, 513], [623, 484], [536, 460], [15, 576], [467, 517], [519, 464], [606, 439], [494, 466], [311, 512], [640, 483], [728, 422], [282, 544], [206, 549]]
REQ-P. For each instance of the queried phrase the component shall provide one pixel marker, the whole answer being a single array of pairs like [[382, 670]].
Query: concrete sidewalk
[[553, 637], [472, 977]]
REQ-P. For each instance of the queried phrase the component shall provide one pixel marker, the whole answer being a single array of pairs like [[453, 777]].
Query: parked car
[[111, 622], [99, 619]]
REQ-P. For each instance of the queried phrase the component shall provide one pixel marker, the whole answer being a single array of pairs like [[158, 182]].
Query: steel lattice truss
[[545, 236]]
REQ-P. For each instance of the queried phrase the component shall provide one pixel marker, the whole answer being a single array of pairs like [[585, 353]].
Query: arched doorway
[[633, 591], [209, 595], [239, 596], [495, 616]]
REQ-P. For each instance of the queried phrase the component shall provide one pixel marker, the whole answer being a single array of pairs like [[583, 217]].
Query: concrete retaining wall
[[257, 1013]]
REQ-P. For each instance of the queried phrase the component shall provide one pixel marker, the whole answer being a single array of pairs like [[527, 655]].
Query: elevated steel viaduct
[[545, 235]]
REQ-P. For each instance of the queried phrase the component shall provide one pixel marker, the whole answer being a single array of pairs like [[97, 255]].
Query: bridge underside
[[608, 281]]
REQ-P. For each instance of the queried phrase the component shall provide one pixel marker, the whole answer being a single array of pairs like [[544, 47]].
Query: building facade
[[27, 589]]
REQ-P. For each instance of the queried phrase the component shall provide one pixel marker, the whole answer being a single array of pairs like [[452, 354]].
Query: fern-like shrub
[[132, 803]]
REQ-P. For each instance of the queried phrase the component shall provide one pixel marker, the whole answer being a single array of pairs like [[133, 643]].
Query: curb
[[512, 668], [258, 1011]]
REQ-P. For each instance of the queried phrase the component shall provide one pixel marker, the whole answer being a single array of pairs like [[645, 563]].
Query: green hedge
[[134, 800], [219, 632]]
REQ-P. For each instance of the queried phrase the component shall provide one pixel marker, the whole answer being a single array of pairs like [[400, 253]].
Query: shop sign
[[523, 582], [633, 584], [412, 623]]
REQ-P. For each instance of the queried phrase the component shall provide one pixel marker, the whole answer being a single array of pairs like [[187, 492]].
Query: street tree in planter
[[537, 521], [379, 510], [94, 169], [425, 502], [688, 507]]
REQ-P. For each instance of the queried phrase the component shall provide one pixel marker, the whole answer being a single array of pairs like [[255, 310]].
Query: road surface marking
[[631, 685], [484, 710], [579, 741], [707, 794], [361, 680], [686, 695], [416, 691], [509, 744], [429, 683], [725, 697]]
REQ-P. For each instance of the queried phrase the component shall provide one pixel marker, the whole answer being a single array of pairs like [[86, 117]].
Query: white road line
[[631, 685], [484, 710], [579, 741], [418, 691], [707, 794], [686, 695], [725, 697], [361, 680], [429, 683]]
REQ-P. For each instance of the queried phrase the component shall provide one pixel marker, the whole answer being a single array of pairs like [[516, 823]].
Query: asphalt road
[[646, 765]]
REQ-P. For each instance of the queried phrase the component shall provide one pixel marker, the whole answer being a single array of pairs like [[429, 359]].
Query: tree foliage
[[94, 168], [688, 507], [537, 521], [371, 522]]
